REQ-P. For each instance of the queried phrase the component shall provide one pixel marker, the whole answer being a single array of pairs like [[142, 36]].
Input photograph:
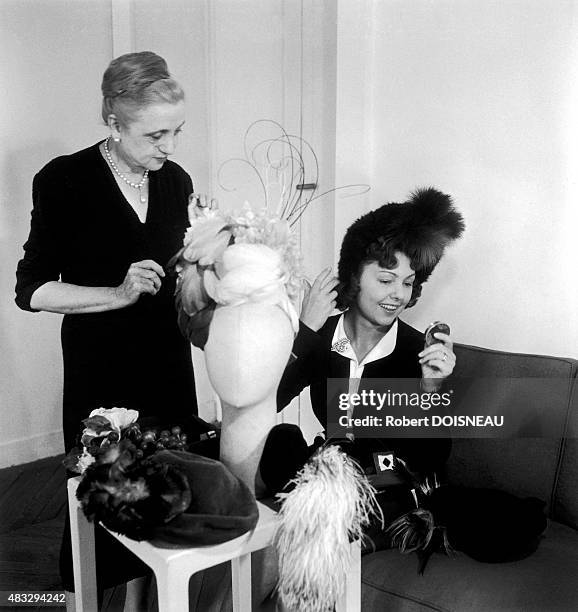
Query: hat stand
[[246, 353]]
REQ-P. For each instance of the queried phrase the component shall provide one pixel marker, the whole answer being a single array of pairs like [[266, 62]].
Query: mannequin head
[[237, 275], [247, 350]]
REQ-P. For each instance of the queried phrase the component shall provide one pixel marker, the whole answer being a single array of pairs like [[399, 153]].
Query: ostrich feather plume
[[327, 510], [421, 228]]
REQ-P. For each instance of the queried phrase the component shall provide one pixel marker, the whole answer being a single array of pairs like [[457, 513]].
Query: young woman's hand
[[319, 300], [438, 360]]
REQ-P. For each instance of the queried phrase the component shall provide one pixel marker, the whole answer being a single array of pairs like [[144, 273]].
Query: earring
[[116, 139]]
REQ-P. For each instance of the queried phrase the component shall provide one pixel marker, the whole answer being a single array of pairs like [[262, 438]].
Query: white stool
[[174, 567]]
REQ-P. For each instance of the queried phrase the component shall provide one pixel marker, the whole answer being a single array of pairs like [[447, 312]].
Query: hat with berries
[[171, 498]]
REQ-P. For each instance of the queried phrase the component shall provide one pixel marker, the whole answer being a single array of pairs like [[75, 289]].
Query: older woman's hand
[[142, 277], [319, 300], [438, 360], [201, 202]]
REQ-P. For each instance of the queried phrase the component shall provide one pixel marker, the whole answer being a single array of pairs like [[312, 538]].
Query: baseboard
[[24, 450]]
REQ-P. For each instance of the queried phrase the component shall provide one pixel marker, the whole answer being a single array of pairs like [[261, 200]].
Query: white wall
[[272, 60], [354, 116], [53, 58], [480, 100]]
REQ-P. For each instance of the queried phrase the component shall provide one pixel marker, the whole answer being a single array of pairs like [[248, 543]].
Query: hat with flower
[[172, 498], [233, 259], [143, 483]]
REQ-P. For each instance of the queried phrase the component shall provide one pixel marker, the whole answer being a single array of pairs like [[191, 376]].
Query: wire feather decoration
[[286, 168]]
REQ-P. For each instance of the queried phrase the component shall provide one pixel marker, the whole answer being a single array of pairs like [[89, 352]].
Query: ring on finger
[[445, 357]]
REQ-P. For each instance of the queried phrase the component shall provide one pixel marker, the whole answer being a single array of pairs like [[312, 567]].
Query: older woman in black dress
[[104, 223]]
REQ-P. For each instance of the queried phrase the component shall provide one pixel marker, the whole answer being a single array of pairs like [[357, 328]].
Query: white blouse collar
[[341, 344]]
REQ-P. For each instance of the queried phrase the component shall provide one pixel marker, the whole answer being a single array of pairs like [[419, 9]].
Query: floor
[[32, 502]]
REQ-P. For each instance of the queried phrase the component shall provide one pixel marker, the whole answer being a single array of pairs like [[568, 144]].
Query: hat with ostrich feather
[[420, 228]]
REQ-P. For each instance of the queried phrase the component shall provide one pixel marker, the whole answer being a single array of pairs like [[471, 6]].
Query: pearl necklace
[[138, 186]]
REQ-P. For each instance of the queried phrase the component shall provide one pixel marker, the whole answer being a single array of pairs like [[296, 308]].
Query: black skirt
[[113, 359]]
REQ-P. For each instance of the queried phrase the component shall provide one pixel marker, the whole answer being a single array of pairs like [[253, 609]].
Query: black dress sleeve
[[42, 261], [303, 367], [188, 183]]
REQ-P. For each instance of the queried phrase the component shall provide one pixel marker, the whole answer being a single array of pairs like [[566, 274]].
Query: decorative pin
[[341, 345]]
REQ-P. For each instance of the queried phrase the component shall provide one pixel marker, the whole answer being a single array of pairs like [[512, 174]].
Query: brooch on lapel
[[341, 345]]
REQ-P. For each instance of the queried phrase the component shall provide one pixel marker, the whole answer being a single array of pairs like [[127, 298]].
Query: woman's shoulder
[[328, 329], [70, 165], [408, 337], [172, 171], [331, 323], [407, 330]]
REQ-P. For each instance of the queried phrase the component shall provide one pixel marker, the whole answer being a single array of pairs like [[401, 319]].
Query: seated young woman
[[386, 256]]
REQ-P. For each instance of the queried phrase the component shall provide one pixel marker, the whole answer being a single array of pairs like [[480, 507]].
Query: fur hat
[[420, 228]]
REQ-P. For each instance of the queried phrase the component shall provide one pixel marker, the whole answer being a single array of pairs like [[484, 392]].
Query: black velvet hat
[[172, 498], [222, 507]]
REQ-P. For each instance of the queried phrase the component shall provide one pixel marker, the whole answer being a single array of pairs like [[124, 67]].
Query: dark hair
[[420, 228], [135, 80]]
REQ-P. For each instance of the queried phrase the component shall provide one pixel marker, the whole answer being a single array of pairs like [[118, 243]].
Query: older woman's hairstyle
[[420, 228], [135, 80]]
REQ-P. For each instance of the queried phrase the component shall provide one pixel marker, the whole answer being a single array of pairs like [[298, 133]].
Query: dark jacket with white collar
[[313, 363]]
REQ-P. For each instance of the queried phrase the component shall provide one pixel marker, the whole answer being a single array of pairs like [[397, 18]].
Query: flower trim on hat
[[233, 259], [145, 485]]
